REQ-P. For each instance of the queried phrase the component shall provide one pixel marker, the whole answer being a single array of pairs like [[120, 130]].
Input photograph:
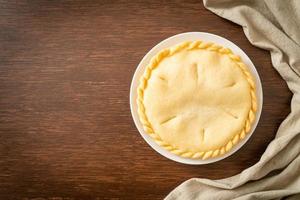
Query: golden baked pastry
[[196, 99]]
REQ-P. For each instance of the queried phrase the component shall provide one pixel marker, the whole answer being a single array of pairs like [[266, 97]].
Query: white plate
[[191, 36]]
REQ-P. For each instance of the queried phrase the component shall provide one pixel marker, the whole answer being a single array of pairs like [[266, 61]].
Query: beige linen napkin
[[273, 25]]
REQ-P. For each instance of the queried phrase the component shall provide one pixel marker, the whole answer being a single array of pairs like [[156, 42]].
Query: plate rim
[[140, 69]]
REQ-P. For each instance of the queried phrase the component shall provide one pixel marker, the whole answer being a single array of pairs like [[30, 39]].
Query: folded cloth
[[273, 25]]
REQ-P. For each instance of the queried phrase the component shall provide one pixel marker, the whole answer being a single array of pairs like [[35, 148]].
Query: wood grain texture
[[66, 131]]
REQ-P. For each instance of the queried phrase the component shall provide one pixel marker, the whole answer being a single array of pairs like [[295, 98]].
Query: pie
[[197, 99]]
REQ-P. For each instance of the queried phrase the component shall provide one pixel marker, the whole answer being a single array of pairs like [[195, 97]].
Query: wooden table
[[66, 131]]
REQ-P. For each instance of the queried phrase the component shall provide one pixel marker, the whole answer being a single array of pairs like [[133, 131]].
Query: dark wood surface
[[66, 131]]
